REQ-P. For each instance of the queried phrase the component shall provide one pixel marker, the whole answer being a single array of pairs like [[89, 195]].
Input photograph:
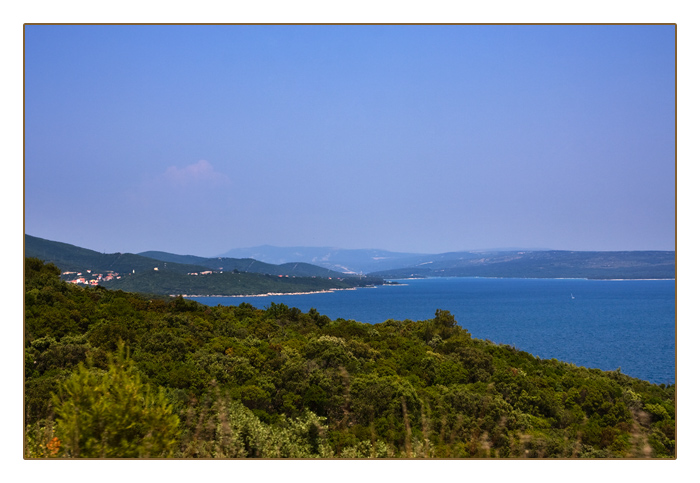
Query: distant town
[[89, 278], [92, 279]]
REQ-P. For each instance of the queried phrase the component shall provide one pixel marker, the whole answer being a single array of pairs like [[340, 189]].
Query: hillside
[[176, 274], [191, 381], [543, 264], [166, 282], [250, 265], [72, 258]]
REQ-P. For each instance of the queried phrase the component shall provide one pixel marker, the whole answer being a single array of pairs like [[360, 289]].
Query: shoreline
[[272, 294]]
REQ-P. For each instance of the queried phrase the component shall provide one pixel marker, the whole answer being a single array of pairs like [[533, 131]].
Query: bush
[[112, 414]]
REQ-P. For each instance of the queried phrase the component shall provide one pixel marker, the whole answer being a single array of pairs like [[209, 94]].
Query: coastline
[[271, 294], [331, 290]]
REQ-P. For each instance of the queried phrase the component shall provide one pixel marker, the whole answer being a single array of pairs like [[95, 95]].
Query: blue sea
[[605, 324]]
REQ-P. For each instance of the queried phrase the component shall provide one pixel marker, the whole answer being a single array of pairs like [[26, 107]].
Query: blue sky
[[199, 139]]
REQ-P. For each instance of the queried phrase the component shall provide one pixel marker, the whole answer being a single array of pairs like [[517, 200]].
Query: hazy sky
[[199, 139]]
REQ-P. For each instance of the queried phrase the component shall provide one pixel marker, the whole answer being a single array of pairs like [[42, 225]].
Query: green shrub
[[113, 414]]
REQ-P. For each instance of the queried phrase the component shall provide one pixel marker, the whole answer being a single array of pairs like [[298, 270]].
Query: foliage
[[112, 414], [282, 383], [169, 282]]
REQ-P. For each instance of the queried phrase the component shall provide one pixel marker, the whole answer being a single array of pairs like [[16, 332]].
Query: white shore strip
[[331, 290]]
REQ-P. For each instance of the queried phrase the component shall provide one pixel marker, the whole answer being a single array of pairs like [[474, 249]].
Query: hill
[[72, 258], [166, 282], [250, 265], [230, 382], [177, 274], [543, 264]]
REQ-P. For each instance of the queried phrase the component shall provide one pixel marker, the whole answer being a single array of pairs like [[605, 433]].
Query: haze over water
[[602, 324]]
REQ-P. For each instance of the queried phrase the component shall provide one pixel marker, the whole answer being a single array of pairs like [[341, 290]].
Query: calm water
[[604, 324]]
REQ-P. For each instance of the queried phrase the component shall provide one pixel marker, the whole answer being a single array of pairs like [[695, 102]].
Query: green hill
[[169, 282], [173, 274], [247, 265], [72, 258]]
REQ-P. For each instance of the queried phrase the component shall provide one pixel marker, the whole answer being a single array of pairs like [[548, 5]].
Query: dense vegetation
[[115, 374], [169, 283]]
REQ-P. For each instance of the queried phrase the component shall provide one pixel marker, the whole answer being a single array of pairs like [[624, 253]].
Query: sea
[[604, 324]]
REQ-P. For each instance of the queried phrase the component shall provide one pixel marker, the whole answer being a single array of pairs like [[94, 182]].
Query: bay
[[605, 324]]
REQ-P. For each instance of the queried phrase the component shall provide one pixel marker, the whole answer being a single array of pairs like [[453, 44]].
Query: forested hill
[[72, 258], [115, 374], [297, 269], [543, 264], [167, 282], [187, 275]]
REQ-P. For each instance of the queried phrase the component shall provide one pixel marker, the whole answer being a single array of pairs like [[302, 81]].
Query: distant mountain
[[542, 264], [513, 263], [338, 259]]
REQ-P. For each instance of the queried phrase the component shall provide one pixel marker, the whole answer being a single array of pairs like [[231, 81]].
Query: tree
[[113, 414]]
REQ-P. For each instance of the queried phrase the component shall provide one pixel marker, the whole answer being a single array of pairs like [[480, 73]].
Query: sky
[[413, 138]]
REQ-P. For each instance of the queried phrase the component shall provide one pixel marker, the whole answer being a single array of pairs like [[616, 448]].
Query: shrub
[[113, 414]]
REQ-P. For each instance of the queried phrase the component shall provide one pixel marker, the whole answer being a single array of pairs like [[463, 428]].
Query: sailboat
[[572, 296]]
